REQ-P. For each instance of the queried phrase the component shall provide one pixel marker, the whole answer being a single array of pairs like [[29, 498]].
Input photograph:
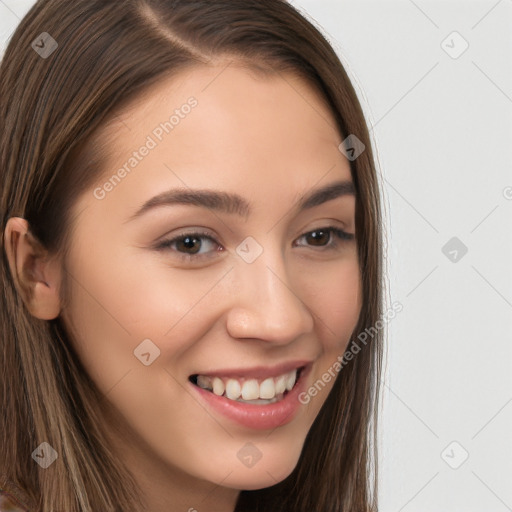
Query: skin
[[270, 140]]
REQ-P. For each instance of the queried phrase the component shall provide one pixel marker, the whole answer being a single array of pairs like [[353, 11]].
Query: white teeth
[[251, 390], [218, 386], [268, 388], [259, 401], [233, 389], [203, 381], [290, 379], [280, 384], [268, 391]]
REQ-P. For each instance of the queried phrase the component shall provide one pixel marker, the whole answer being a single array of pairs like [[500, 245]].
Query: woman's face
[[241, 292]]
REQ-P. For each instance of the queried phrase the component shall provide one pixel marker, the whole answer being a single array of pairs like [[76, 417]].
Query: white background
[[443, 133]]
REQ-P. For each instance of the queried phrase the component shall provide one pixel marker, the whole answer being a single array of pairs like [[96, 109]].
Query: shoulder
[[8, 503], [12, 498]]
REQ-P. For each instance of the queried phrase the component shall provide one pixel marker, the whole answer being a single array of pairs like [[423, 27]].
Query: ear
[[36, 275]]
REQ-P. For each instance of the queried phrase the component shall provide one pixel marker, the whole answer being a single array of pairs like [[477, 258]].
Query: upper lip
[[257, 372]]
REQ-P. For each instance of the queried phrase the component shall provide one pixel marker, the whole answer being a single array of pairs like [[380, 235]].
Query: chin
[[263, 474]]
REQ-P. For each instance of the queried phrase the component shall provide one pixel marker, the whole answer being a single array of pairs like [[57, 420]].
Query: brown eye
[[189, 244], [322, 237], [319, 237]]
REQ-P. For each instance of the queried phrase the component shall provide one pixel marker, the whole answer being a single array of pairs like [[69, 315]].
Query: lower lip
[[258, 417]]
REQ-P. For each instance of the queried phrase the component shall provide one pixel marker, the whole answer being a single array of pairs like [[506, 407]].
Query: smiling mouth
[[248, 390]]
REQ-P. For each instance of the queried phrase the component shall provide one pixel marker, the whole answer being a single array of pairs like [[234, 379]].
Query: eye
[[323, 237], [189, 245]]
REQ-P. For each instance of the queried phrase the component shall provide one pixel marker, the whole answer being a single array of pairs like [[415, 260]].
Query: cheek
[[116, 303], [334, 297], [338, 307], [120, 300]]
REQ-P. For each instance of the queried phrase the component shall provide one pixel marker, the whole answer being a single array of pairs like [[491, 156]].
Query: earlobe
[[36, 275]]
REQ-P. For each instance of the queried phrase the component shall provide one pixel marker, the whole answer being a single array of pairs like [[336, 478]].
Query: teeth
[[258, 401], [268, 388], [203, 381], [268, 391], [281, 384], [233, 389], [218, 386], [290, 379], [251, 390]]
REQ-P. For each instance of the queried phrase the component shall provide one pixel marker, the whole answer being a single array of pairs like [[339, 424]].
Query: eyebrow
[[234, 204]]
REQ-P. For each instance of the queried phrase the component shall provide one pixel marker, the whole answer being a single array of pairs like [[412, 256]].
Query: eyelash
[[343, 236]]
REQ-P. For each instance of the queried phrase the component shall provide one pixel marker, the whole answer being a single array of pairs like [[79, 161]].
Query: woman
[[191, 241]]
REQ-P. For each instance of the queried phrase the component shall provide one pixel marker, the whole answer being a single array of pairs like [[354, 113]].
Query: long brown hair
[[50, 108]]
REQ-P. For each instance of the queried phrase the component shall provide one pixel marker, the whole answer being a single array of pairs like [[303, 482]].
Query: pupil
[[314, 236], [188, 242]]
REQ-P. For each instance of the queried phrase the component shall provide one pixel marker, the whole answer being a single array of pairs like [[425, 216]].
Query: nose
[[265, 305]]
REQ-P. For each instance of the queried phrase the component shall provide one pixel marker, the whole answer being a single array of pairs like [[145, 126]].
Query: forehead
[[222, 125], [234, 102]]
